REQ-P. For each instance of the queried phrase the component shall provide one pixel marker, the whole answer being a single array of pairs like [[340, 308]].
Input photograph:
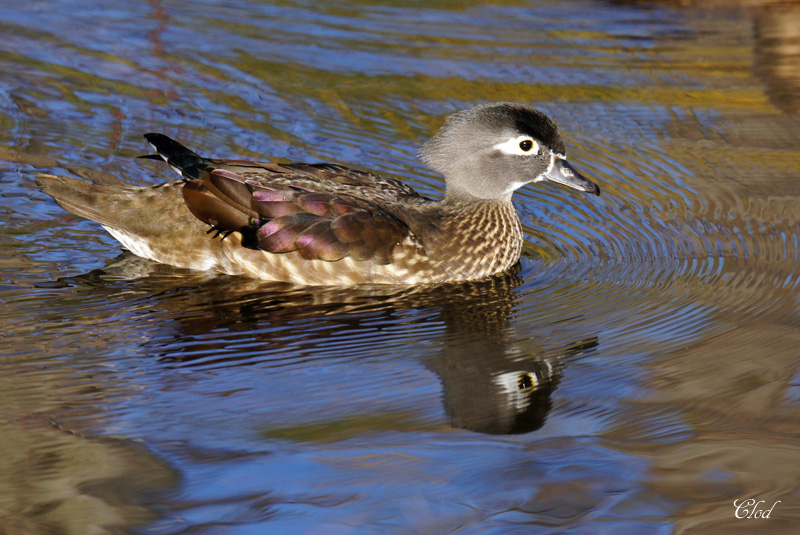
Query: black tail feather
[[188, 163]]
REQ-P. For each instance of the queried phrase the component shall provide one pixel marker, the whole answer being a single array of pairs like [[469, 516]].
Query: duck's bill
[[563, 173]]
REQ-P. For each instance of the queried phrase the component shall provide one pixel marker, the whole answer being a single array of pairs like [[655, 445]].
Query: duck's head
[[491, 150]]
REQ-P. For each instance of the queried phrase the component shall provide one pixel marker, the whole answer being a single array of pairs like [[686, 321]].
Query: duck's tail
[[150, 221], [98, 202], [140, 210], [185, 162], [125, 206]]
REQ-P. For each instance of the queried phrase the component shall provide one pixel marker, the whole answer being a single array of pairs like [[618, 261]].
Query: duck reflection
[[498, 385], [494, 381]]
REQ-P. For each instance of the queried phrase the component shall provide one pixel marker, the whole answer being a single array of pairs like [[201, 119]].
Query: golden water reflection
[[55, 479]]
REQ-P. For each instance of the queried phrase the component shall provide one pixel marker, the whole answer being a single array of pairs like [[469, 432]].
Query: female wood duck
[[324, 224]]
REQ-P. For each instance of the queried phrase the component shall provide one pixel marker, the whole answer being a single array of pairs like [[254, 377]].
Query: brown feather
[[231, 186], [318, 242], [211, 209], [316, 203], [347, 228], [362, 251], [280, 235]]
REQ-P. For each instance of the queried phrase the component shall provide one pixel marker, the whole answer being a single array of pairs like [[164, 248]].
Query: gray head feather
[[464, 149]]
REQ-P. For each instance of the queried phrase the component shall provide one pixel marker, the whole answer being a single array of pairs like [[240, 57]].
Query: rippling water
[[636, 374]]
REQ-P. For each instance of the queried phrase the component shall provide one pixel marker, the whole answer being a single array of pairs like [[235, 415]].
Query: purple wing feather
[[282, 218]]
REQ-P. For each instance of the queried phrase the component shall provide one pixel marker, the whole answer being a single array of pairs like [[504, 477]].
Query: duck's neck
[[483, 235], [482, 220]]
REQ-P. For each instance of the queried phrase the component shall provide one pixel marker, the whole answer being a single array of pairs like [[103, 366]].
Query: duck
[[327, 224]]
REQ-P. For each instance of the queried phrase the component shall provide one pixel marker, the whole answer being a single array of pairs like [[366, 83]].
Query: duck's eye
[[518, 146]]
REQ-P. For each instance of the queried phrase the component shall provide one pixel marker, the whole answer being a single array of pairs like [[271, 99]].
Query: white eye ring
[[512, 146]]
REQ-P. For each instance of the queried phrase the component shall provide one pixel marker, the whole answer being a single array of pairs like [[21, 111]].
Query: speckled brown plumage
[[325, 224]]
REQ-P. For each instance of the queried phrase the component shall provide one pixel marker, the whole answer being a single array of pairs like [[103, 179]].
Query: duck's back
[[324, 178]]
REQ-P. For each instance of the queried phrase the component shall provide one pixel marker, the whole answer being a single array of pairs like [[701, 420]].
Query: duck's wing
[[323, 211], [282, 219]]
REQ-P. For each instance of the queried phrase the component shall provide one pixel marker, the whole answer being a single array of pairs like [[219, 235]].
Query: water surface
[[637, 373]]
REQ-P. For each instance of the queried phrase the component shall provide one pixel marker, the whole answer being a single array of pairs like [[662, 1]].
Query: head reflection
[[494, 380]]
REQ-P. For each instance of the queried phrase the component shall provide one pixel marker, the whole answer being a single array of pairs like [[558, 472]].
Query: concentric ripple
[[668, 245]]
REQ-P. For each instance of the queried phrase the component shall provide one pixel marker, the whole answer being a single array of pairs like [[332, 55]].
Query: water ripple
[[656, 322]]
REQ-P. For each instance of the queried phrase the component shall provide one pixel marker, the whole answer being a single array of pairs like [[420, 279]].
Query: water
[[659, 322]]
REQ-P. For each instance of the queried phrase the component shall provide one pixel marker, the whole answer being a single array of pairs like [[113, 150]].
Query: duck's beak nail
[[563, 173]]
